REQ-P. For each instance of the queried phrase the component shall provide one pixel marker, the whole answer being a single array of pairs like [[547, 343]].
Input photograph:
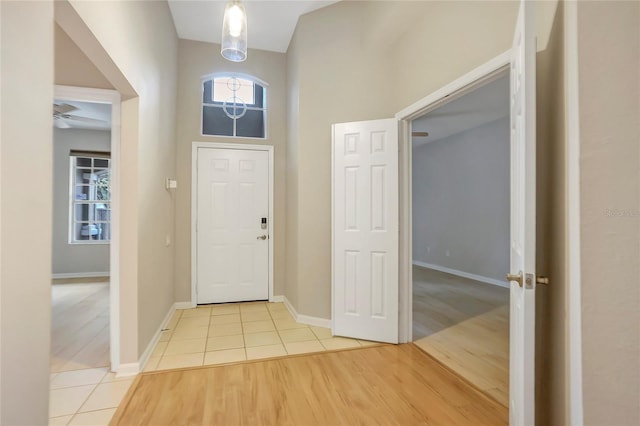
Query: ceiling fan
[[63, 120]]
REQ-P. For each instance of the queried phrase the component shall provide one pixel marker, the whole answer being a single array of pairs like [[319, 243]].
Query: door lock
[[262, 237]]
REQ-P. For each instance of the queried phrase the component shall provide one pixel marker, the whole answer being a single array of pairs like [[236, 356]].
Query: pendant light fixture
[[234, 32]]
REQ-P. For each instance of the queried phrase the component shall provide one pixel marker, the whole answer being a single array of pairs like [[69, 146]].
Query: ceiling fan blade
[[63, 108], [419, 134], [82, 119]]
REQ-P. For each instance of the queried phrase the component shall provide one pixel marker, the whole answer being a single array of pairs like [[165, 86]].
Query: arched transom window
[[234, 106]]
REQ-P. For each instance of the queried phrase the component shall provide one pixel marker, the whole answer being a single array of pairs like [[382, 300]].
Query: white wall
[[74, 258], [25, 210], [461, 201]]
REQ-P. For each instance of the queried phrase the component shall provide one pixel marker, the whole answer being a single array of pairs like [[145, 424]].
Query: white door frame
[[194, 207], [106, 96], [485, 73]]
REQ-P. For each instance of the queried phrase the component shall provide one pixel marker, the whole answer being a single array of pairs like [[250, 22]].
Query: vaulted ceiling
[[270, 23]]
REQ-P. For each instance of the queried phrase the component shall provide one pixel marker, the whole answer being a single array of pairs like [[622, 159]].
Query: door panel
[[233, 197], [365, 230], [523, 221]]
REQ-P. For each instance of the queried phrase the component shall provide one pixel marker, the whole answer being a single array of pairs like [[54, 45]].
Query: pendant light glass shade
[[234, 32]]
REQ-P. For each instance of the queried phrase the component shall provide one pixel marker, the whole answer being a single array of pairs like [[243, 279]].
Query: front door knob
[[262, 237]]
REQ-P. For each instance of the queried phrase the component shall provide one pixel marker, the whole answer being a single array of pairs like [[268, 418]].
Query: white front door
[[232, 229], [523, 219], [365, 230]]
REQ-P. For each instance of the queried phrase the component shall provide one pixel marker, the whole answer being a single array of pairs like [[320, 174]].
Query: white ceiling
[[270, 23], [100, 115], [486, 104]]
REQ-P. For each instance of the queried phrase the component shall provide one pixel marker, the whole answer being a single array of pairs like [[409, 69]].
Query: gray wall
[[461, 201], [196, 59], [74, 258], [340, 63]]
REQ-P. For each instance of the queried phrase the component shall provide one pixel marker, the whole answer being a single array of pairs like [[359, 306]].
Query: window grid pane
[[233, 107], [90, 214]]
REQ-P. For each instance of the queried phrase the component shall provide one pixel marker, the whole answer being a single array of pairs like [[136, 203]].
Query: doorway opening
[[86, 142], [460, 155]]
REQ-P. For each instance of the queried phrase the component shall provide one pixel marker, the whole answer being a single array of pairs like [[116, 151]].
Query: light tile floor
[[205, 335], [85, 397], [219, 334]]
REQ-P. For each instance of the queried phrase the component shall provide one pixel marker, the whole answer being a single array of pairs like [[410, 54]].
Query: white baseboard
[[80, 275], [306, 319], [277, 299], [184, 305], [144, 358], [128, 370], [463, 274]]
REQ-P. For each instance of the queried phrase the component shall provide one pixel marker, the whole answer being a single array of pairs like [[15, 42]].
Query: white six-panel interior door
[[365, 230], [232, 225]]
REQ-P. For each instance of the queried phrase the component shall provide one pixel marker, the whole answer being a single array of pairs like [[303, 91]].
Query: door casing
[[194, 211], [107, 96], [485, 73]]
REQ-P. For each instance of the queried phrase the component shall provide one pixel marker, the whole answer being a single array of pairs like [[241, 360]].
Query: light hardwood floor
[[392, 384], [464, 324], [80, 326]]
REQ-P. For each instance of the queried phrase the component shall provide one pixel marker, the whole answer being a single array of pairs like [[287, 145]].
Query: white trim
[[144, 358], [306, 319], [277, 299], [405, 240], [485, 73], [79, 275], [194, 206], [572, 129], [463, 274], [112, 97]]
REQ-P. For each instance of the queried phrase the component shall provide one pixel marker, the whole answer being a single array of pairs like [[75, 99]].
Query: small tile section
[[304, 347], [220, 343], [90, 376], [206, 335], [297, 335], [93, 418], [180, 361], [60, 421], [268, 351], [339, 343], [106, 395], [67, 401], [258, 326], [261, 339], [224, 357]]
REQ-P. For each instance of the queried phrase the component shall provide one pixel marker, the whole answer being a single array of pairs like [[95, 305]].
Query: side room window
[[234, 106], [90, 209]]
